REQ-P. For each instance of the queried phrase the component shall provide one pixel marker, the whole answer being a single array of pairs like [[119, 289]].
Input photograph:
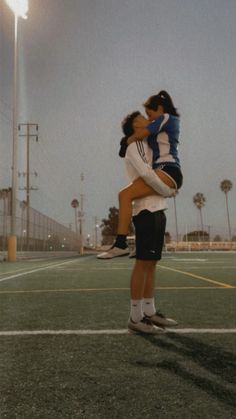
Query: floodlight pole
[[12, 239], [19, 9]]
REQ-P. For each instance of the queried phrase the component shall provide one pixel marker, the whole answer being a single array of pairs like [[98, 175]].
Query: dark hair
[[162, 98], [127, 128], [127, 123]]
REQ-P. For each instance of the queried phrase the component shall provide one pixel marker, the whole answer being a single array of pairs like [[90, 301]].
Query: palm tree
[[226, 186], [199, 200]]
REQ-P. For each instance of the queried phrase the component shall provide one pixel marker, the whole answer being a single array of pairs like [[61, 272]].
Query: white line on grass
[[217, 268], [189, 260], [52, 265], [105, 268], [108, 332]]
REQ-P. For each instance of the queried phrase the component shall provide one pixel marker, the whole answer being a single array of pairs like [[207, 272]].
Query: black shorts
[[150, 231], [174, 172]]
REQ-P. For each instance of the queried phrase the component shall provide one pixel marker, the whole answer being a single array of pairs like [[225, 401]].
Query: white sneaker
[[144, 326], [132, 254], [114, 252], [160, 320]]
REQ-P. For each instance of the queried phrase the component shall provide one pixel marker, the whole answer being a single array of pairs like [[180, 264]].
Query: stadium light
[[20, 9]]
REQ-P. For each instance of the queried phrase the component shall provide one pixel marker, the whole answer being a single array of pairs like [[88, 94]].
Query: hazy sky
[[85, 64]]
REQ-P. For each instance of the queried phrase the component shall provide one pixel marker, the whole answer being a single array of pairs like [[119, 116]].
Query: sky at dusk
[[85, 64]]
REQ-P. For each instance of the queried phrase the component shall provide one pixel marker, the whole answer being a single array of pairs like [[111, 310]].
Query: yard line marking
[[38, 269], [214, 262], [200, 331], [18, 270], [10, 272], [189, 260], [107, 268], [86, 332], [197, 276], [213, 267], [38, 291]]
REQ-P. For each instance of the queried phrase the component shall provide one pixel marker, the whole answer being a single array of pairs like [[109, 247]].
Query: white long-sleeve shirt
[[138, 160]]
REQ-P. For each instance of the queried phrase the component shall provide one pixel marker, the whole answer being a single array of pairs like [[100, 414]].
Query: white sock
[[149, 307], [136, 311]]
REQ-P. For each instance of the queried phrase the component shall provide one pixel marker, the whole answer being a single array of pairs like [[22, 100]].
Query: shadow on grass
[[213, 359]]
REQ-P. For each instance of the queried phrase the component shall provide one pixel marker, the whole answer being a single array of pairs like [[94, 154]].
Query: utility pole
[[28, 187], [75, 204]]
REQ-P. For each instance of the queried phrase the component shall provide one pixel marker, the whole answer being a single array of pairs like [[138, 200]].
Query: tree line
[[109, 225], [199, 201]]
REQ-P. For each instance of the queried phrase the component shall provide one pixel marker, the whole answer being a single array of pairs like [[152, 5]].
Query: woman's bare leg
[[137, 189]]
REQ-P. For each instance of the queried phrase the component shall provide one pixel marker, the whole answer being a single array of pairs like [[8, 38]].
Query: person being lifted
[[164, 177]]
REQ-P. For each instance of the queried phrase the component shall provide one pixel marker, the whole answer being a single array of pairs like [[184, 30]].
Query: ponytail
[[162, 98]]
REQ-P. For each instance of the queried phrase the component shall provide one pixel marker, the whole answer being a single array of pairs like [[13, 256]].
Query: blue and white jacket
[[164, 147]]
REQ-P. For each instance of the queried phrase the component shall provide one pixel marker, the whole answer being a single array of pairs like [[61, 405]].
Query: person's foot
[[144, 326], [160, 320], [114, 252], [132, 254]]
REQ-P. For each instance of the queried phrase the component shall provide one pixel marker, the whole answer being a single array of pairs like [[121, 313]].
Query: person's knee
[[150, 266], [147, 266], [166, 179], [141, 265]]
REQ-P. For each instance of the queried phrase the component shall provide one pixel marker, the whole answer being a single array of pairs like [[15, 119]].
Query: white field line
[[188, 260], [52, 265], [105, 268], [213, 267], [12, 272], [206, 262], [82, 332]]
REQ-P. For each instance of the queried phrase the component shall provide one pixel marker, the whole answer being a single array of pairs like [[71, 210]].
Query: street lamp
[[20, 9]]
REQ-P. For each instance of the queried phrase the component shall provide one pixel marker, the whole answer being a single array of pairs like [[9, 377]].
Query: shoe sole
[[163, 325], [139, 332], [156, 323], [113, 257]]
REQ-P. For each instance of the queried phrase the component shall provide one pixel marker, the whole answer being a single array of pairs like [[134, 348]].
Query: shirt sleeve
[[155, 127], [136, 155]]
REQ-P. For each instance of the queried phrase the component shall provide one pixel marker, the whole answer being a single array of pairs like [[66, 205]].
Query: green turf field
[[65, 351]]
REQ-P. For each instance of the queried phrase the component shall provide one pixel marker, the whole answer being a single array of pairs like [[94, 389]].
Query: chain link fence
[[35, 231]]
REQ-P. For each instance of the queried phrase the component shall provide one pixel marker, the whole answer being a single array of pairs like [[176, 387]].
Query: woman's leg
[[137, 189], [166, 178]]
